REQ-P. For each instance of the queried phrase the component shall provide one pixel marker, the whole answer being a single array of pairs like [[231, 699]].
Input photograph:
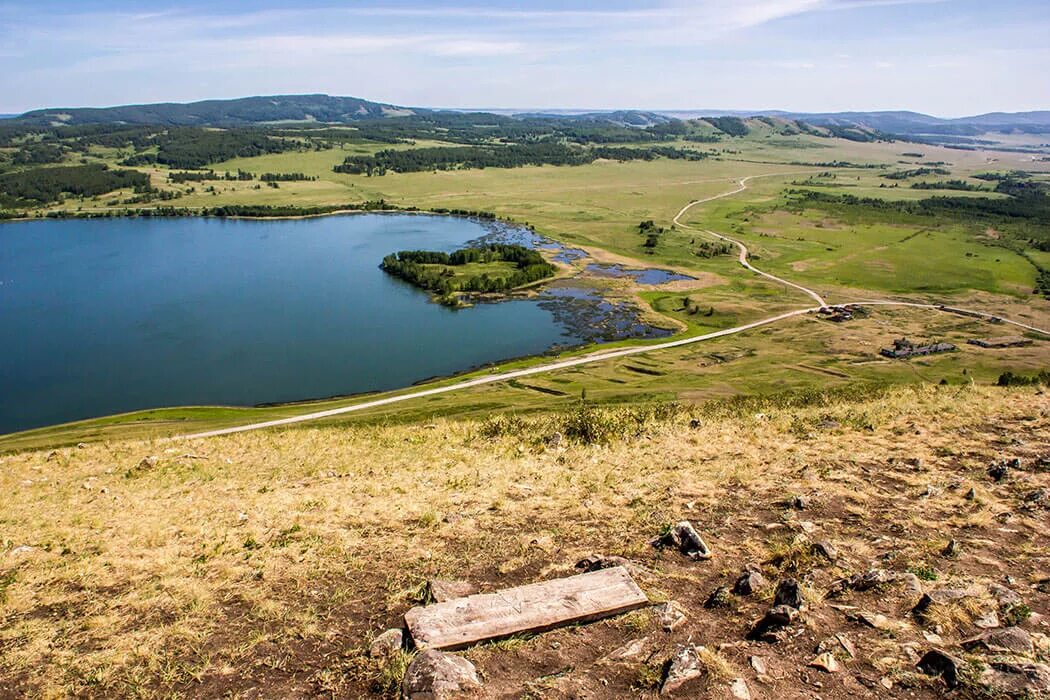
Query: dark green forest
[[431, 270]]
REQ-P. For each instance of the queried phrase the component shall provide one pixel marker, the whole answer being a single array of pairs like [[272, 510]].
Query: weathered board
[[533, 608]]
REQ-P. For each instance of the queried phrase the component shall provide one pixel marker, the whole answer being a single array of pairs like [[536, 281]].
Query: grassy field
[[263, 564]]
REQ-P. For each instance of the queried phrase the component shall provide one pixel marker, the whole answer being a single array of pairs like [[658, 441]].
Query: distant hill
[[336, 110], [237, 112]]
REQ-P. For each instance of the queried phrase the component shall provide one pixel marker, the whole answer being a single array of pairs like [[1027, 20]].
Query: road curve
[[611, 354], [743, 249]]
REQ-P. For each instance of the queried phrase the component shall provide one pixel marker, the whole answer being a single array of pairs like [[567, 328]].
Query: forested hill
[[237, 112]]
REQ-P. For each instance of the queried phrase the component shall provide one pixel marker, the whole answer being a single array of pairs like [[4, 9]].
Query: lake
[[110, 315]]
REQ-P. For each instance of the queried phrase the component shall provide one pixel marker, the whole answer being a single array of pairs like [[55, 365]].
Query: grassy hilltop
[[263, 564]]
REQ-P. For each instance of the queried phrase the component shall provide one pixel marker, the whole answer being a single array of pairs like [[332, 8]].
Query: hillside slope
[[261, 565]]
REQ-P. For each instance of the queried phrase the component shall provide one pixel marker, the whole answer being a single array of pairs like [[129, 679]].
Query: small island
[[493, 268]]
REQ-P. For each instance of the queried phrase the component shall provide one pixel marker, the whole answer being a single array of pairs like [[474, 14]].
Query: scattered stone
[[911, 581], [719, 598], [1005, 597], [440, 590], [596, 562], [998, 471], [951, 549], [739, 690], [554, 440], [688, 541], [876, 621], [750, 581], [789, 593], [931, 491], [1035, 497], [1009, 639], [20, 550], [629, 650], [81, 445], [436, 675], [870, 579], [669, 615], [759, 664], [695, 423], [941, 596], [387, 644], [1022, 680], [772, 626], [799, 502], [684, 666], [807, 527], [989, 620], [825, 662], [971, 495], [823, 548], [52, 455], [940, 663], [932, 637], [837, 643]]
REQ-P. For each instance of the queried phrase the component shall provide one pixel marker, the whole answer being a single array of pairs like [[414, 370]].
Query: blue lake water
[[110, 315]]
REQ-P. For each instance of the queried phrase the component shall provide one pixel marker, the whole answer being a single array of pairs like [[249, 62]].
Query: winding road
[[623, 352]]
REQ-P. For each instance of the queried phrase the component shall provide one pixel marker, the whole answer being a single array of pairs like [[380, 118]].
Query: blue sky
[[945, 57]]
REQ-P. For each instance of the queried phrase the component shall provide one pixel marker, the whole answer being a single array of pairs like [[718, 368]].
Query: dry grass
[[267, 559]]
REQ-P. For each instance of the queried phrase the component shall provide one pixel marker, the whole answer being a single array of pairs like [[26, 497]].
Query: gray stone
[[386, 644], [689, 542], [684, 666], [823, 548], [936, 662], [1005, 597], [441, 590], [1009, 639], [799, 502], [597, 562], [669, 616], [759, 664], [750, 581], [738, 689], [789, 593], [435, 675], [1019, 680], [971, 495], [771, 626], [951, 549]]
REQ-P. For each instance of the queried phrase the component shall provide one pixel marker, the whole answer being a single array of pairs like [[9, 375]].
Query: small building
[[904, 348]]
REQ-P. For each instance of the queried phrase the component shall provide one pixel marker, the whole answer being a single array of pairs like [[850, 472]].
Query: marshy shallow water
[[109, 315]]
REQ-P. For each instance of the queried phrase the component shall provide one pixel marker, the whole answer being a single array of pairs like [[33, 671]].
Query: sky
[[943, 57]]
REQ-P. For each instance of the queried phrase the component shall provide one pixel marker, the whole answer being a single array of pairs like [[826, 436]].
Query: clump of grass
[[794, 556], [592, 425], [503, 425], [649, 677], [924, 571], [389, 673]]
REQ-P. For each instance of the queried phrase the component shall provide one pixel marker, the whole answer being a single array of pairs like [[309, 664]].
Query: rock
[[554, 440], [807, 527], [440, 590], [837, 643], [873, 578], [799, 502], [688, 541], [931, 491], [669, 616], [823, 548], [20, 550], [435, 675], [596, 562], [788, 593], [739, 690], [684, 666], [1009, 639], [1035, 497], [695, 423], [951, 549], [719, 598], [998, 471], [874, 620], [911, 581], [770, 627], [52, 455], [759, 664], [81, 445], [629, 650], [940, 663], [1005, 597], [1020, 680], [387, 644], [940, 596], [989, 620], [825, 662], [971, 495], [750, 581]]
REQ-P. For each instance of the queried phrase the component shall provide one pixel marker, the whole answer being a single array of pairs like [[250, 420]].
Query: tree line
[[49, 184]]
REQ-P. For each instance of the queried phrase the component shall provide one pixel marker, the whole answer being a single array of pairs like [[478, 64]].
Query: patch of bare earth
[[262, 564]]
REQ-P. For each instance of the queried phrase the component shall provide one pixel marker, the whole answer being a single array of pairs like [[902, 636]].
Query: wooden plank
[[532, 608]]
